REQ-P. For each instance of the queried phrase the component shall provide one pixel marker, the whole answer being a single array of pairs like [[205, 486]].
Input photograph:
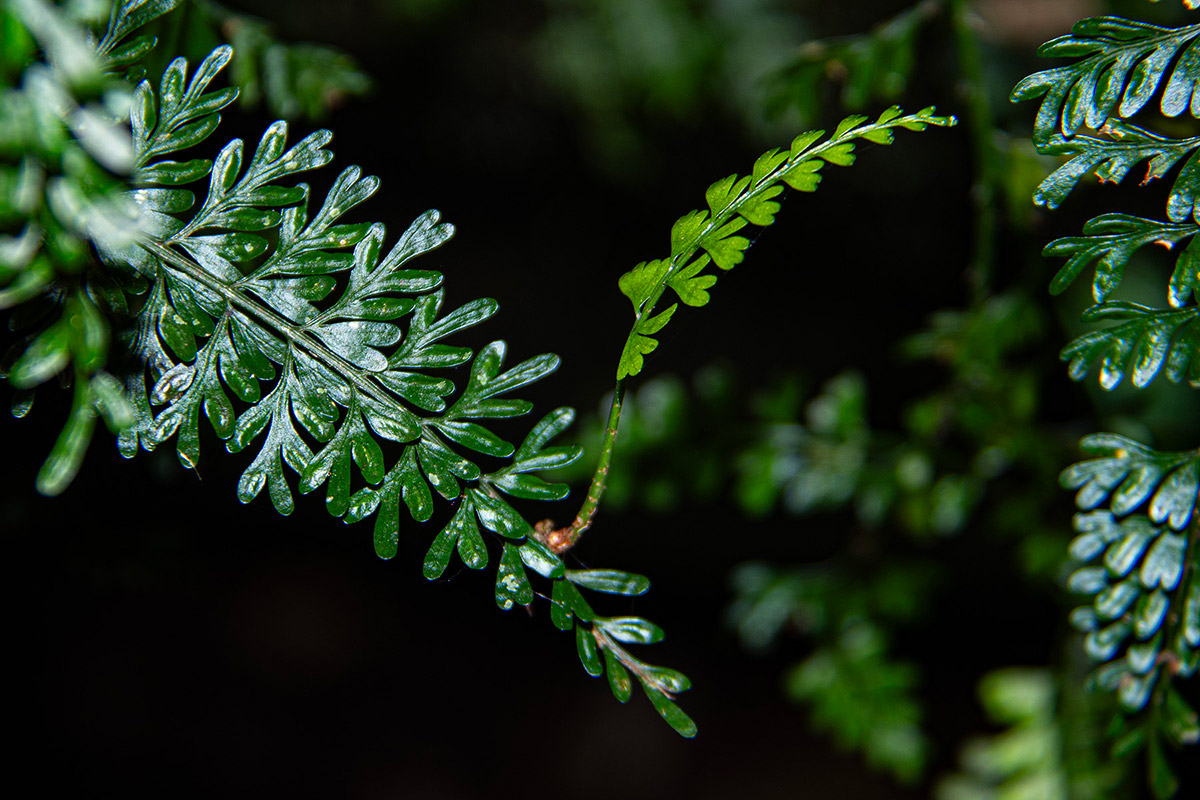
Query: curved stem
[[562, 539]]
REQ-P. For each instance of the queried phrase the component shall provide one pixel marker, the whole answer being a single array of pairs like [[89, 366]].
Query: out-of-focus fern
[[64, 159], [856, 690], [620, 61], [1027, 760], [875, 65], [776, 450], [293, 79], [1137, 527]]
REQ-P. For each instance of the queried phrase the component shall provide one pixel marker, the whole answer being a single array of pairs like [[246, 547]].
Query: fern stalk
[[564, 539], [733, 204]]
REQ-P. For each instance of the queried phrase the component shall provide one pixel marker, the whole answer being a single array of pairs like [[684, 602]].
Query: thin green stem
[[566, 538], [984, 192]]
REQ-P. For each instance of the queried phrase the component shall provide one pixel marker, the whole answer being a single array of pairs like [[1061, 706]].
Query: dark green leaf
[[618, 677], [541, 559], [632, 630], [609, 581], [512, 585], [498, 516], [589, 655], [670, 712]]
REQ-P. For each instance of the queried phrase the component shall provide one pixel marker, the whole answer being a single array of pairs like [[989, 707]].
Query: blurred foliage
[[625, 62], [858, 693], [767, 449], [870, 67], [293, 80], [1025, 761], [65, 155]]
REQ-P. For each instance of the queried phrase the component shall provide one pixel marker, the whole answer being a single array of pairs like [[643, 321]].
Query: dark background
[[168, 640]]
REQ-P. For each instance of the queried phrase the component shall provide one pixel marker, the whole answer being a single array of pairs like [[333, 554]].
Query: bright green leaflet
[[733, 203]]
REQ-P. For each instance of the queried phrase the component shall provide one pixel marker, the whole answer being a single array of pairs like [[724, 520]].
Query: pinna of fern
[[301, 338], [283, 331], [1137, 528]]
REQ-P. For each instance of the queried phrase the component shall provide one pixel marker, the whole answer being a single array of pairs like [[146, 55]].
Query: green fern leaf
[[1151, 340], [1109, 241], [733, 203], [1125, 64], [186, 116], [1112, 159], [1141, 578], [1130, 474], [512, 584], [609, 581], [129, 15]]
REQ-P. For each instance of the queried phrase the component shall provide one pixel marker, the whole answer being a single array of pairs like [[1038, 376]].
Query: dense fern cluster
[[294, 333], [1137, 524]]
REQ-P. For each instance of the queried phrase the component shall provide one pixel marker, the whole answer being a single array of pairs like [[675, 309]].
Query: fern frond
[[733, 203], [1110, 240], [126, 16], [336, 352], [1143, 622], [1128, 473], [1151, 339], [1112, 158], [1125, 63]]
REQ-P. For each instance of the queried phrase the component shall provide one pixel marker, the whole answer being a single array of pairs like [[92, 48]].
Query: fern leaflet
[[733, 203]]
